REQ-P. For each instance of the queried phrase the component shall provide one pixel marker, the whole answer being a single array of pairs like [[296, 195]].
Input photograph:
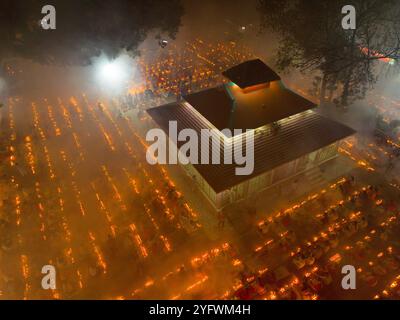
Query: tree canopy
[[84, 28], [312, 38]]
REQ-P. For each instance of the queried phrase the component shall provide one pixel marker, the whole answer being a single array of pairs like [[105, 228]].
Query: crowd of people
[[353, 230], [176, 73], [146, 217]]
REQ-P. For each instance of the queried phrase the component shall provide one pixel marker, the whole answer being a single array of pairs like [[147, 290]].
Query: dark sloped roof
[[213, 104], [251, 73], [228, 107], [300, 135]]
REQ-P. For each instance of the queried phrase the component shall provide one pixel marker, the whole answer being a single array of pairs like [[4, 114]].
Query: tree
[[312, 38], [84, 28]]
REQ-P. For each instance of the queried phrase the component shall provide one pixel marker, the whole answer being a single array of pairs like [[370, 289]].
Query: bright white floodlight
[[113, 75], [112, 72]]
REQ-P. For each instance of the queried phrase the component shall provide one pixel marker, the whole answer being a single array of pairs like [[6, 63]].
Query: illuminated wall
[[276, 176]]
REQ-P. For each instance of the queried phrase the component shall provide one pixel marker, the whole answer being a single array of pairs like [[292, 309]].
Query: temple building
[[289, 137]]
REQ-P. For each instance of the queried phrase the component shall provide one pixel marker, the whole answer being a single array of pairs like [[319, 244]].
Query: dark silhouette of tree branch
[[312, 38], [84, 28]]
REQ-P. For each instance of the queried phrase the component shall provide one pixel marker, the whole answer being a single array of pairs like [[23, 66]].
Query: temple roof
[[250, 73], [227, 106], [297, 136], [254, 99]]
